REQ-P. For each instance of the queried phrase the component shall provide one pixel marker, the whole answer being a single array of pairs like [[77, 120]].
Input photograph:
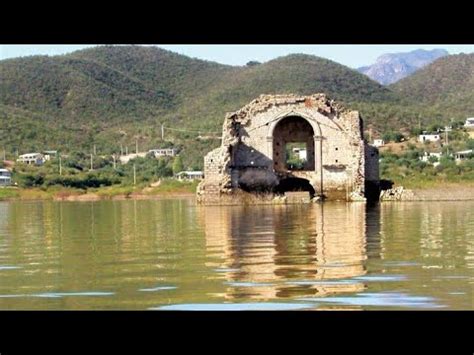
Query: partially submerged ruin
[[282, 143]]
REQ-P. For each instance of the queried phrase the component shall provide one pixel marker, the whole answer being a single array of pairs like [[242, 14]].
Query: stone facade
[[252, 159]]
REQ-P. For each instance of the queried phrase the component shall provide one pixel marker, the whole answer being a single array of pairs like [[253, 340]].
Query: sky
[[353, 56]]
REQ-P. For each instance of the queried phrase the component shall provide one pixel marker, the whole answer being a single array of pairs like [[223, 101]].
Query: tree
[[392, 137], [433, 159], [177, 165]]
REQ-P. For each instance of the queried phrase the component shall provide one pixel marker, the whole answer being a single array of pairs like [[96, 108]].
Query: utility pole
[[60, 166], [162, 132], [134, 175], [92, 164], [446, 130]]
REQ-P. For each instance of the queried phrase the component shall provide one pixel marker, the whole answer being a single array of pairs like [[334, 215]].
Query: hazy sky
[[351, 55]]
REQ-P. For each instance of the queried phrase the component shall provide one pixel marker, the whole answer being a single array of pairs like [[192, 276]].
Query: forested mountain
[[115, 95], [447, 84]]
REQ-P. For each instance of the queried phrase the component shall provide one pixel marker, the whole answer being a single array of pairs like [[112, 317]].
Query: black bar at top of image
[[287, 24]]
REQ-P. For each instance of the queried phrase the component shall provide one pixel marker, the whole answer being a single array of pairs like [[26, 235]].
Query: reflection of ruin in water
[[285, 251]]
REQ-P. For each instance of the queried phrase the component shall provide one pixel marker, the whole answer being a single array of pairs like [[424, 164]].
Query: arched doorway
[[293, 145]]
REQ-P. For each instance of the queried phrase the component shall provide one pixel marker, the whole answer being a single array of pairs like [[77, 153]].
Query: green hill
[[109, 96], [447, 85]]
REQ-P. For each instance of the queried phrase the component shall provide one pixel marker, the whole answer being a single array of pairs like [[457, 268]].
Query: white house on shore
[[31, 159], [469, 122], [157, 153], [190, 175], [302, 153], [426, 158], [50, 154], [5, 177], [167, 152], [378, 143], [462, 155], [124, 159], [429, 137]]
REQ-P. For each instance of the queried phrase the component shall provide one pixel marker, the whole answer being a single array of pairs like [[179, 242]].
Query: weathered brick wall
[[251, 147]]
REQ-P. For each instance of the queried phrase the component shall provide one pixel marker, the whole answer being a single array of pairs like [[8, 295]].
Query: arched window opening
[[293, 145]]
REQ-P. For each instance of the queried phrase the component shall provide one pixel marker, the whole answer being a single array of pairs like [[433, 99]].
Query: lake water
[[176, 255]]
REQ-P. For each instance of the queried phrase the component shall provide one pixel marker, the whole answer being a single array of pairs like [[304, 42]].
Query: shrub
[[392, 137]]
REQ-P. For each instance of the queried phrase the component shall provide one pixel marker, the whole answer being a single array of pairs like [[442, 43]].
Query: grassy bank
[[409, 171], [423, 183], [8, 193], [166, 187]]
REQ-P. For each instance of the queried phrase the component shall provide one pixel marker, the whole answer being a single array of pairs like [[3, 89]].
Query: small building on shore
[[463, 155], [190, 175], [429, 137], [5, 177], [378, 143], [31, 159], [124, 159], [427, 157], [469, 123], [301, 153], [50, 154], [166, 152]]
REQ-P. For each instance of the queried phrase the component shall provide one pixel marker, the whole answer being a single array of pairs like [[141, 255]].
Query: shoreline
[[441, 193], [399, 194], [19, 194], [122, 197]]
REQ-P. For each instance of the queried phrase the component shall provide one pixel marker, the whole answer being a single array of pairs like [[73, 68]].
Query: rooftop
[[190, 173]]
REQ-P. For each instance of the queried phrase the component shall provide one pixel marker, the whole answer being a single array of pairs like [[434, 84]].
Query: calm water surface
[[175, 255]]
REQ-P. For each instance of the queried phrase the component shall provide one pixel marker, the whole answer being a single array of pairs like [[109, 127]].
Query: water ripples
[[173, 255]]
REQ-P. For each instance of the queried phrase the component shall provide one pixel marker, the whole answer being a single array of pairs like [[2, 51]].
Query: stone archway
[[293, 130]]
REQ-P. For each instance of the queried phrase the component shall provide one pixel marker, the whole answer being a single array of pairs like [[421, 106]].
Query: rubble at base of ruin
[[251, 165]]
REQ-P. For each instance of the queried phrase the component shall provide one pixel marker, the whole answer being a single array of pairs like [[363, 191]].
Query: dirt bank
[[121, 197], [442, 193]]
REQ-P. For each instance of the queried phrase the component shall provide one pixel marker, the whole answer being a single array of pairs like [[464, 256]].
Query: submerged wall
[[252, 156]]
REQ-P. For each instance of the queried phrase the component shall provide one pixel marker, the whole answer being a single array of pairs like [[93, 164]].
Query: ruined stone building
[[255, 161]]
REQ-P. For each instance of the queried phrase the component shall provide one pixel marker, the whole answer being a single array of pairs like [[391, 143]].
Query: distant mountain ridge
[[392, 67]]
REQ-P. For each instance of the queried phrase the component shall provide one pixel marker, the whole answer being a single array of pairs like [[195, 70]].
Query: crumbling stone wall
[[252, 143], [372, 177]]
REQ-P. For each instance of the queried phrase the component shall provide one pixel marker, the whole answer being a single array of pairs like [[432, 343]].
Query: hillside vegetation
[[110, 96], [447, 85]]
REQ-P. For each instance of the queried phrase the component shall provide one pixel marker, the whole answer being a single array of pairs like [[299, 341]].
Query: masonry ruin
[[282, 143]]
